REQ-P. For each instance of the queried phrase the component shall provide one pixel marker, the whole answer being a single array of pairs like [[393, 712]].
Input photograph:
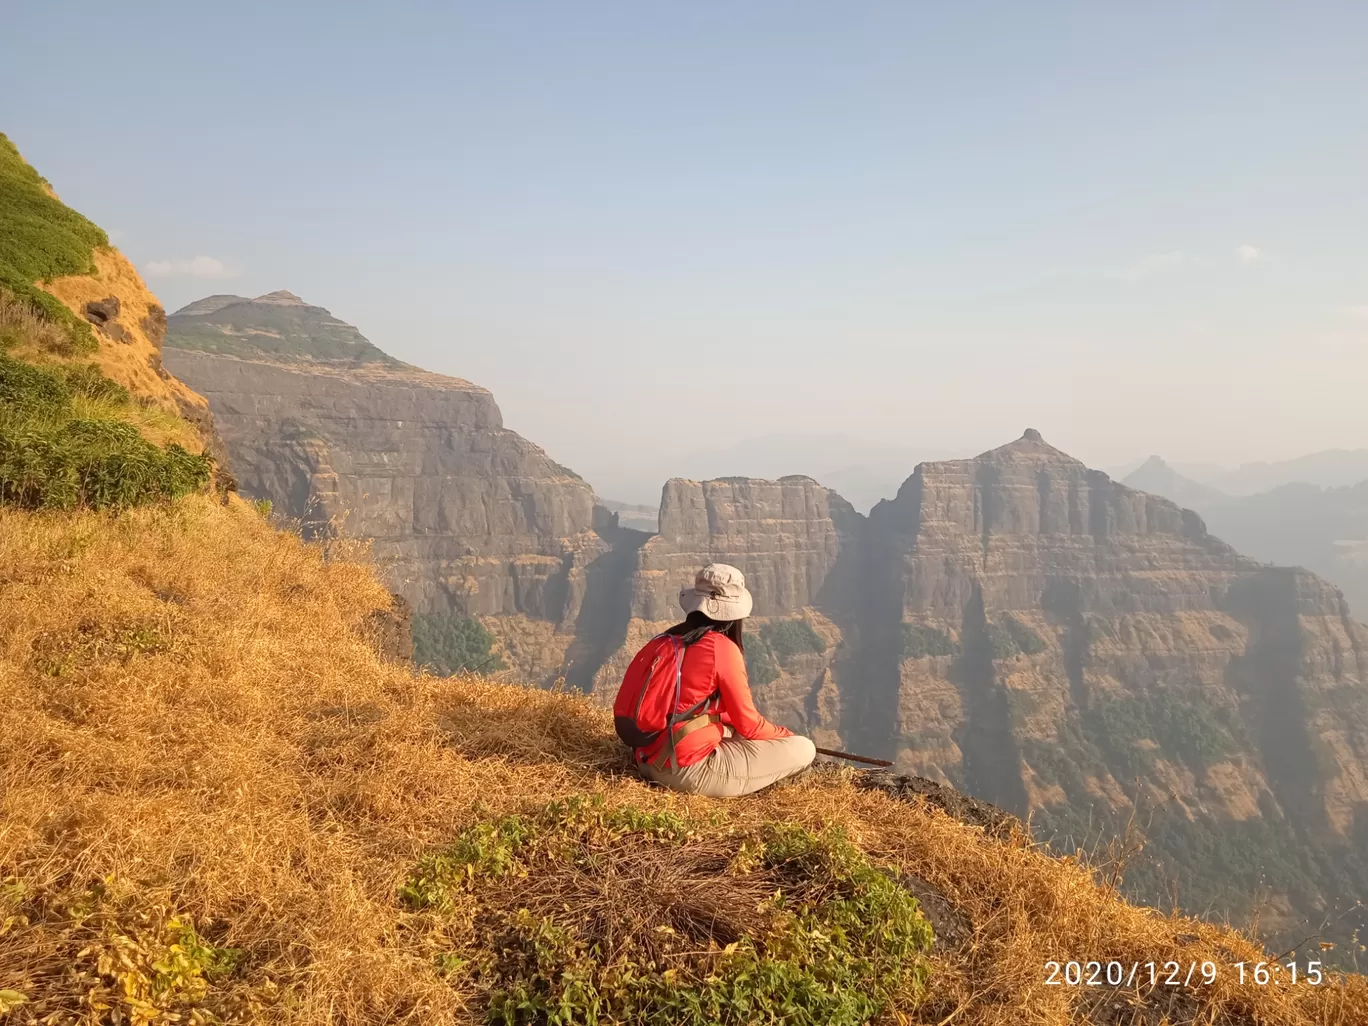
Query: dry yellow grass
[[196, 721], [133, 363], [20, 320]]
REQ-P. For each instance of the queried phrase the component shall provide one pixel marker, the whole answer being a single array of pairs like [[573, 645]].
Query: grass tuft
[[590, 913]]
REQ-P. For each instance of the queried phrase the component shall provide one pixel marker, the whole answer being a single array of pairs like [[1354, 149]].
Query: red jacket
[[714, 664]]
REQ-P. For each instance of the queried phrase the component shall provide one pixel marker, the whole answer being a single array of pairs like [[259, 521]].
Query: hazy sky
[[657, 228]]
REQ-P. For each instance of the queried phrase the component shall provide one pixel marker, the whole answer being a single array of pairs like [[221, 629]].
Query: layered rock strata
[[462, 514]]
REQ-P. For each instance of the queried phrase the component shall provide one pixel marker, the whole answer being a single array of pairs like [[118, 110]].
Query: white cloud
[[195, 267], [1149, 266], [1248, 254]]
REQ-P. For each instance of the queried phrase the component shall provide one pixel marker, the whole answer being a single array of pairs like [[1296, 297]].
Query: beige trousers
[[737, 766]]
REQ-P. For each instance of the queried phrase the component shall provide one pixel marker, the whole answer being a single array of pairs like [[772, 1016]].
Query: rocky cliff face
[[462, 513], [1036, 594]]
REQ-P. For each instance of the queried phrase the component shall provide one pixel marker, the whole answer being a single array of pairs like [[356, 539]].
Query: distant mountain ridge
[[1158, 478], [1296, 524], [278, 325], [1328, 468]]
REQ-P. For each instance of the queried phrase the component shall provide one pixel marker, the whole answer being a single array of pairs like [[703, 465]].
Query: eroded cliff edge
[[461, 513]]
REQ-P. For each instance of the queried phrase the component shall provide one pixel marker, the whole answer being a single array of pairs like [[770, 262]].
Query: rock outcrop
[[1035, 592], [1323, 529]]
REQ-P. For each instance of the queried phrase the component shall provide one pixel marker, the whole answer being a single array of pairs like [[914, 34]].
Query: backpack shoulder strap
[[679, 649]]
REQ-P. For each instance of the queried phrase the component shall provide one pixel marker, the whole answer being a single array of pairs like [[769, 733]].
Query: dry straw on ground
[[197, 731]]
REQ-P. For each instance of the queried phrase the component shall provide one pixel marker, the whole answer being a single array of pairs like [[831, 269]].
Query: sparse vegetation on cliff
[[1241, 867], [920, 640], [1180, 725], [790, 638], [761, 666], [1009, 637], [449, 643], [40, 239], [774, 646]]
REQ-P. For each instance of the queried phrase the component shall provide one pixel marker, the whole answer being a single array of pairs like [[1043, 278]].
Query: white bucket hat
[[719, 591]]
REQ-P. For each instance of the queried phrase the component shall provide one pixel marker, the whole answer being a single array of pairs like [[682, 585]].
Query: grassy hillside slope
[[87, 416], [216, 800]]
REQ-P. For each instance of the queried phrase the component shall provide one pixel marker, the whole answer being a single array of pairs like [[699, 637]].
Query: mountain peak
[[280, 297], [208, 305], [1030, 444], [1158, 478], [278, 326]]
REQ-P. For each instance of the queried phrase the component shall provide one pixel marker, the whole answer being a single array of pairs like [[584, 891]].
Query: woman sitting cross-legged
[[685, 706]]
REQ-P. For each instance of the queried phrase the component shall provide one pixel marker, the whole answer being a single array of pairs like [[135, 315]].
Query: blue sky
[[659, 230]]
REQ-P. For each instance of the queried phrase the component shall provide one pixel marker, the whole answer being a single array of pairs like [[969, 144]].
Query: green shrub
[[52, 459], [761, 666], [919, 641], [88, 380], [1008, 637], [486, 851], [789, 638], [569, 925], [29, 391], [1184, 725], [450, 643], [40, 239]]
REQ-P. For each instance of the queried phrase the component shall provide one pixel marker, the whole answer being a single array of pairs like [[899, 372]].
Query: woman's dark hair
[[699, 623]]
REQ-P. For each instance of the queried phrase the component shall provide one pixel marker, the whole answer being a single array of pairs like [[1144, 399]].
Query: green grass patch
[[587, 914], [41, 238], [449, 643], [63, 444]]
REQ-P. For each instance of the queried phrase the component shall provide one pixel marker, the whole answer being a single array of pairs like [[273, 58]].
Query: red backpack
[[646, 702]]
